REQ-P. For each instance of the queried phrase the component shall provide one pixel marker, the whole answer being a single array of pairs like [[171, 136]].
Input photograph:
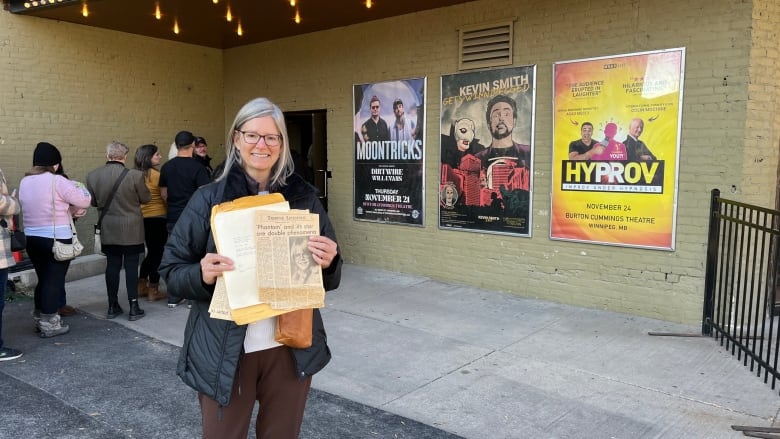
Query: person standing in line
[[122, 228], [147, 158], [180, 177], [201, 154], [234, 366], [65, 310], [49, 202], [9, 206]]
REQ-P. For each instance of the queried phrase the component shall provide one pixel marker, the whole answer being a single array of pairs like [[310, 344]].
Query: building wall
[[726, 140], [79, 87], [94, 85]]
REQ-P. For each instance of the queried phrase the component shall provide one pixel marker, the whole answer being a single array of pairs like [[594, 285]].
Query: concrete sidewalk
[[482, 364]]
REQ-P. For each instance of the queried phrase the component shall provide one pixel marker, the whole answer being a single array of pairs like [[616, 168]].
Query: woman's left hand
[[323, 249]]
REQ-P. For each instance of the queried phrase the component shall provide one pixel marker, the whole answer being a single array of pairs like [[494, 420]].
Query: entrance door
[[308, 145]]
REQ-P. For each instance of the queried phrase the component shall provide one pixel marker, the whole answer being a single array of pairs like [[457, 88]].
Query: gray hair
[[116, 150], [260, 107]]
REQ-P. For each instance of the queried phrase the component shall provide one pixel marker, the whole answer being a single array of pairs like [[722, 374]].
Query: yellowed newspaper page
[[288, 277], [235, 236]]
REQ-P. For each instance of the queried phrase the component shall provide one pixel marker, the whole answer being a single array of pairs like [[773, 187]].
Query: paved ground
[[413, 358]]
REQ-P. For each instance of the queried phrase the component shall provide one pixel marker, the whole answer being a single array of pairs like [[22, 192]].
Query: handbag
[[18, 238], [294, 328], [64, 251], [98, 245]]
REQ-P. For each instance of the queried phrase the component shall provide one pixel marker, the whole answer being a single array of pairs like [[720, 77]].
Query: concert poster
[[388, 125]]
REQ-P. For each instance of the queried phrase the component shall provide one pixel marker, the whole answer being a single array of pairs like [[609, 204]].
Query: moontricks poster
[[389, 121], [486, 151], [616, 142]]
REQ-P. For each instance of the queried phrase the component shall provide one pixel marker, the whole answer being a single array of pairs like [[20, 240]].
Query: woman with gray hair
[[277, 376], [122, 226]]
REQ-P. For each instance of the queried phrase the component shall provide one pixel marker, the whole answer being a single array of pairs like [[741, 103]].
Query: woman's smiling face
[[258, 159]]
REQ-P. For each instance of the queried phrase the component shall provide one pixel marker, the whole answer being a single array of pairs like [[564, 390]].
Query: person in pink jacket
[[48, 203]]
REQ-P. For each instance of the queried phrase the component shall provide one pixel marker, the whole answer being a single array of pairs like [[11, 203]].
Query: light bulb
[[84, 10], [292, 3], [157, 13], [368, 4], [176, 26], [215, 1], [229, 16], [297, 17], [239, 31]]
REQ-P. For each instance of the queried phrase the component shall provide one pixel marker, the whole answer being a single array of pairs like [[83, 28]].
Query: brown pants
[[267, 377]]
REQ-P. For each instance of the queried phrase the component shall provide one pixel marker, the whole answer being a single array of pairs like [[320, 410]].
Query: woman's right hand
[[213, 265]]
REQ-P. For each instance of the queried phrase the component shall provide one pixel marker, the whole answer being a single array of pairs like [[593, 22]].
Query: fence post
[[712, 261]]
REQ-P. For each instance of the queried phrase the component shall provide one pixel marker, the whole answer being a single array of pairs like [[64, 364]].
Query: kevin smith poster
[[487, 127], [616, 137], [389, 118]]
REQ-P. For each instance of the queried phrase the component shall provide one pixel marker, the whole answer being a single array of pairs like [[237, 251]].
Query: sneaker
[[189, 304], [9, 354], [177, 301]]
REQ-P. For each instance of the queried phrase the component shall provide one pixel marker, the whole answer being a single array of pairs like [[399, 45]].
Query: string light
[[229, 16], [84, 9], [157, 13], [297, 17], [292, 3], [215, 1], [368, 4], [239, 31], [176, 26]]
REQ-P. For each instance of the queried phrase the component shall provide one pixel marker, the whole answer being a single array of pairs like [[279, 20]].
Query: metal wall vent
[[485, 45]]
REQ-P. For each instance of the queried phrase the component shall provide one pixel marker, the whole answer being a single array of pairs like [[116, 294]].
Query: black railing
[[740, 283]]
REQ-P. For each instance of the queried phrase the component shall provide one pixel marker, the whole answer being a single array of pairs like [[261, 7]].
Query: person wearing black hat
[[49, 201], [180, 177], [202, 154]]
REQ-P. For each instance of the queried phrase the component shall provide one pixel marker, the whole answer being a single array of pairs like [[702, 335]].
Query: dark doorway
[[308, 145]]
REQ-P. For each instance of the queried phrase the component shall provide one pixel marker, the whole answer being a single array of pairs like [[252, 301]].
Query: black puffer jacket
[[212, 347]]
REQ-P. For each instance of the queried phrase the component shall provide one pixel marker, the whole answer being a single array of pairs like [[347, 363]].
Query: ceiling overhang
[[205, 22]]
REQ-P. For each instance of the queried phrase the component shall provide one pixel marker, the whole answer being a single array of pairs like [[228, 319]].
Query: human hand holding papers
[[262, 236]]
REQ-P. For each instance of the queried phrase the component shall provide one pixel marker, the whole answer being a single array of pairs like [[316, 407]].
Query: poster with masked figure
[[486, 151]]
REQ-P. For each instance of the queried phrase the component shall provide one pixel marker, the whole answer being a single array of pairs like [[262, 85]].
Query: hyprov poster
[[486, 151], [616, 137], [389, 120]]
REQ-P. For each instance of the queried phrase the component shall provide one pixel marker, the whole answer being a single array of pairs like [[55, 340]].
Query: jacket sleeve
[[8, 204], [189, 241], [331, 276], [75, 193], [144, 196]]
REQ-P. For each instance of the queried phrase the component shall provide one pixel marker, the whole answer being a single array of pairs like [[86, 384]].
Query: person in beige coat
[[122, 227]]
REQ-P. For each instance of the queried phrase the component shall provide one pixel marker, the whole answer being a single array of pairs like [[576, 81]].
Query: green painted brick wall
[[94, 85]]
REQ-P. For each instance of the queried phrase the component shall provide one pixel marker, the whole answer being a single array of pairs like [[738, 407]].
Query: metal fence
[[740, 284]]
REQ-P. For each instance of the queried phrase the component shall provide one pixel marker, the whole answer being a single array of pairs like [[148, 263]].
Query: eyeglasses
[[374, 107], [253, 138]]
